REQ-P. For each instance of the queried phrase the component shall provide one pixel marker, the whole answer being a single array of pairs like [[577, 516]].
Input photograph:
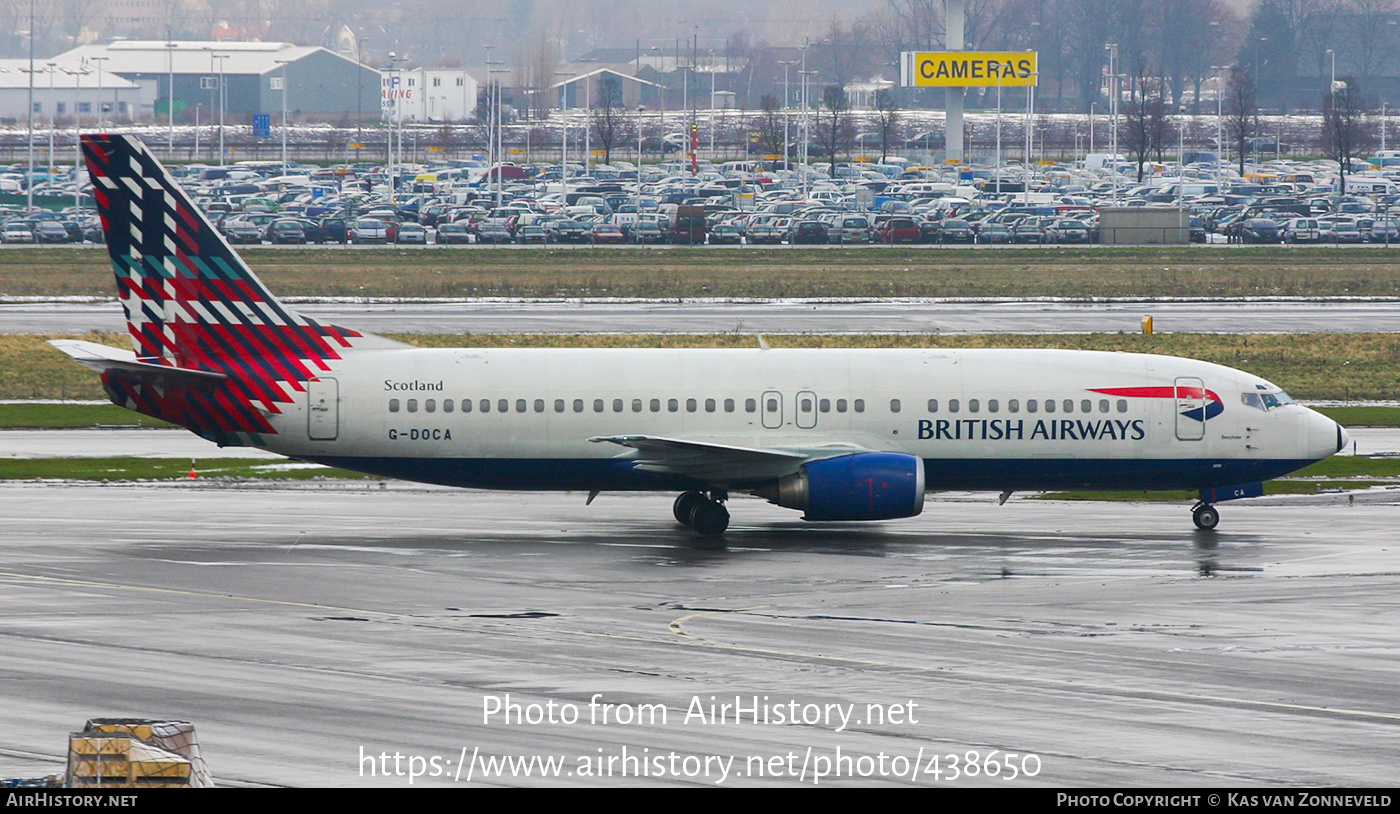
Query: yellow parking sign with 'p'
[[968, 69]]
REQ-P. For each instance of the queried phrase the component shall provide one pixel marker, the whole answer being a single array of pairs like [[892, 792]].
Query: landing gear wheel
[[1206, 517], [684, 505], [709, 518]]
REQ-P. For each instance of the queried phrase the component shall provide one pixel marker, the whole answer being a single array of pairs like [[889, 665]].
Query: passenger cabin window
[[1103, 405], [1032, 405], [993, 405], [393, 405], [709, 405], [578, 405], [1014, 405], [933, 405], [447, 405], [894, 405], [430, 406], [413, 405], [1049, 405], [954, 405], [973, 405], [655, 405], [558, 405], [617, 405], [672, 405], [750, 406], [858, 405], [636, 405], [840, 405], [598, 405], [729, 405], [824, 405], [1122, 405]]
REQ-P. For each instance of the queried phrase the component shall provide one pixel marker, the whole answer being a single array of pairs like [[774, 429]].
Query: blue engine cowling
[[863, 486]]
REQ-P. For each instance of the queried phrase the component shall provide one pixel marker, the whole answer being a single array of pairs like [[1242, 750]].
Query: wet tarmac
[[315, 632]]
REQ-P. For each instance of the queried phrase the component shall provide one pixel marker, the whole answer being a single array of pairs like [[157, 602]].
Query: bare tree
[[1141, 131], [770, 125], [835, 131], [609, 123], [887, 122], [1344, 133], [1241, 110]]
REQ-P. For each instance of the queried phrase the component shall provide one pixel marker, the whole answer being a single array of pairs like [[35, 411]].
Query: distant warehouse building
[[62, 89], [319, 84]]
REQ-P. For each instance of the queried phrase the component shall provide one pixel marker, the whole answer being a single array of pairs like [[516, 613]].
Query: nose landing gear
[[1205, 516], [704, 513]]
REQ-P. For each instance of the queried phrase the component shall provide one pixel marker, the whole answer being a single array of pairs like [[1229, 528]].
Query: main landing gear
[[704, 513], [1206, 516]]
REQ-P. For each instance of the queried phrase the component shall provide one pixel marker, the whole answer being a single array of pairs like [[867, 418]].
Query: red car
[[900, 230], [606, 233]]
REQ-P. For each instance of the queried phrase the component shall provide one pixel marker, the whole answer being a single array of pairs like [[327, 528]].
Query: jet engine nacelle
[[863, 486]]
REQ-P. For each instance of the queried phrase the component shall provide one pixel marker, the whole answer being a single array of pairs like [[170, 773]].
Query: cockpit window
[[1262, 400]]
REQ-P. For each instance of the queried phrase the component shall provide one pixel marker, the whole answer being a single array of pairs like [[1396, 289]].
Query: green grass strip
[[164, 469]]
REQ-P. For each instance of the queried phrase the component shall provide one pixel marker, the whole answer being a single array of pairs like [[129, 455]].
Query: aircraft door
[[322, 409], [1190, 409], [806, 410], [771, 408]]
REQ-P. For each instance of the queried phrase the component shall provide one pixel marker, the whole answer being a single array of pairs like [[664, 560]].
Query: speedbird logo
[[1211, 408]]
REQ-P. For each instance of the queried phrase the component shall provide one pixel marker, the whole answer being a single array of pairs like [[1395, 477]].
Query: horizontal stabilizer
[[103, 359]]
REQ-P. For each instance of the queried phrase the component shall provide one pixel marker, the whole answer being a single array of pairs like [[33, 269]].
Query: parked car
[[284, 231], [493, 233], [242, 231], [411, 233], [50, 231], [1265, 230], [726, 233], [369, 230], [900, 230], [453, 233], [531, 234], [647, 231], [602, 233], [997, 232], [1302, 230], [808, 231], [17, 233]]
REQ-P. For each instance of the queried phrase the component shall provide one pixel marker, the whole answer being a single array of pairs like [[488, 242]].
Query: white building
[[427, 95], [63, 87]]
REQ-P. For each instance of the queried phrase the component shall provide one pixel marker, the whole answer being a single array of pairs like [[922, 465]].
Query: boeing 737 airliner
[[835, 434]]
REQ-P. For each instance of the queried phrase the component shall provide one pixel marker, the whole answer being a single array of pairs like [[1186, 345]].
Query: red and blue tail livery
[[839, 435], [193, 304]]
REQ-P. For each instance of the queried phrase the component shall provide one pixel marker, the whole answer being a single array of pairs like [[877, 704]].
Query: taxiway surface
[[303, 628]]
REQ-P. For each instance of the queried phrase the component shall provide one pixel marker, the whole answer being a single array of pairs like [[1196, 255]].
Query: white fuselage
[[979, 419]]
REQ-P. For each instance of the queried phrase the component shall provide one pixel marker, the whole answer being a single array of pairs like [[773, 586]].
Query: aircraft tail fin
[[192, 303]]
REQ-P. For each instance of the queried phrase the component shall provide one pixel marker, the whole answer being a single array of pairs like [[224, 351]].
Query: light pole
[[29, 179], [99, 61], [77, 133], [1092, 106], [170, 89], [1219, 117], [53, 112], [500, 140], [712, 104], [1030, 134], [786, 100], [220, 58], [283, 63], [1113, 114]]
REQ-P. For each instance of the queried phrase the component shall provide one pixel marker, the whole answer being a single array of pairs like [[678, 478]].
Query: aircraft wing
[[103, 359], [719, 463]]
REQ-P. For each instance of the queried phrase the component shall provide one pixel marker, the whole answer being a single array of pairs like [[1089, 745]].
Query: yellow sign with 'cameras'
[[968, 69]]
